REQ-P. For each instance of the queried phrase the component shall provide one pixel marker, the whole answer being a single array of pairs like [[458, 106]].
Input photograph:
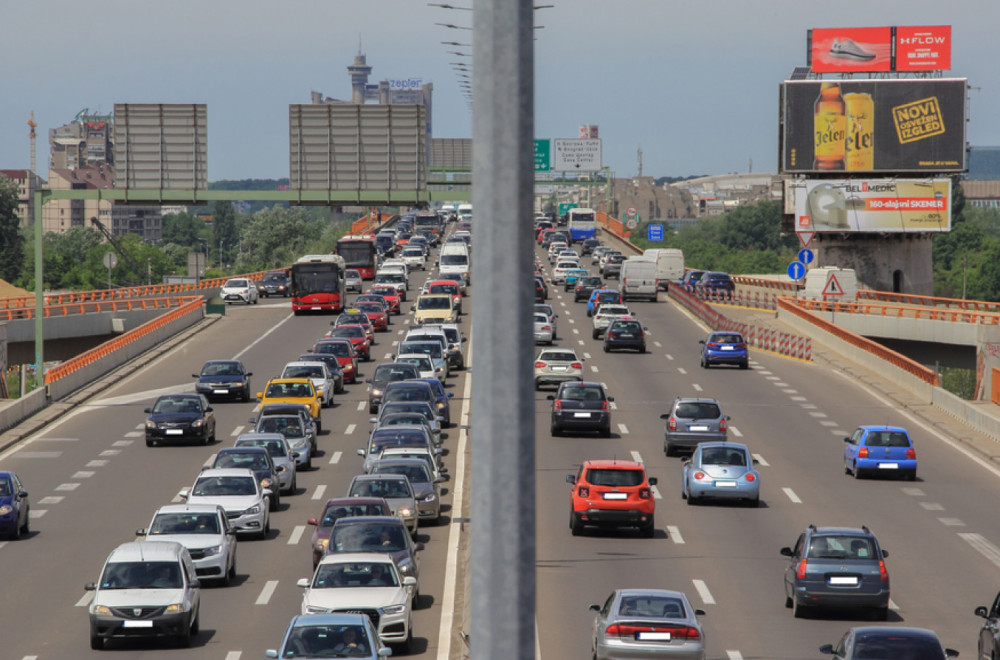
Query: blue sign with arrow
[[806, 256], [796, 270]]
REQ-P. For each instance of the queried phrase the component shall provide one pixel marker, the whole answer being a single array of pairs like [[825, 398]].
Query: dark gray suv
[[691, 421], [836, 567]]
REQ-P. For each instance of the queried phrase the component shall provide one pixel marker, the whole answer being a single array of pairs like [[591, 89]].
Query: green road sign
[[543, 155], [564, 208]]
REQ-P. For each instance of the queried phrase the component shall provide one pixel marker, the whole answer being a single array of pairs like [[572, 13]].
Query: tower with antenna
[[639, 159], [32, 125], [359, 72]]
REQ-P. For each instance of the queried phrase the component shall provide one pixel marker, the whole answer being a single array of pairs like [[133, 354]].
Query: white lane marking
[[96, 463], [735, 431], [67, 486], [703, 592], [576, 331], [234, 655], [176, 499], [83, 474], [657, 344], [123, 443], [85, 601], [266, 592], [781, 384], [580, 342], [623, 429], [893, 606], [669, 356], [318, 493], [57, 439], [572, 321], [773, 377], [361, 405], [238, 430], [734, 655], [30, 657], [586, 356], [827, 422], [336, 457], [840, 433], [208, 463], [817, 414], [636, 456], [296, 534], [791, 495], [697, 387], [445, 632], [952, 522], [681, 370], [135, 434], [913, 492], [656, 493], [932, 506], [612, 405], [593, 368], [675, 534], [350, 429], [37, 513], [39, 454], [765, 373], [761, 461], [790, 391], [51, 499]]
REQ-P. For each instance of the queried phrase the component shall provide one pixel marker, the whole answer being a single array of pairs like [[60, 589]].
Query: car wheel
[[556, 431], [267, 528], [275, 501], [96, 642], [309, 462], [15, 533], [691, 500], [149, 442], [798, 611], [575, 526], [668, 449], [183, 640], [538, 385], [295, 484], [606, 349], [856, 471], [231, 573], [704, 363], [881, 613], [595, 334], [754, 503], [649, 530], [255, 301], [26, 527], [744, 365], [788, 602], [606, 431], [246, 395]]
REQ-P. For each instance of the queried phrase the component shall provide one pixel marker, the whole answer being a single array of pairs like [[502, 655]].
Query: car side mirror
[[702, 342], [594, 608], [611, 398], [418, 547], [665, 416], [90, 586], [787, 552], [183, 494], [409, 581], [260, 395], [304, 582], [140, 532], [983, 612], [464, 339], [847, 440], [885, 553], [652, 481], [195, 376], [827, 649], [279, 468], [685, 459], [148, 411], [451, 394], [195, 583], [361, 452], [551, 397], [699, 612], [249, 373], [570, 479], [312, 521], [209, 409]]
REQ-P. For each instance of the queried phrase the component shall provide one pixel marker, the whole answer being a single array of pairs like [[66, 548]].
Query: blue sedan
[[724, 347], [883, 450], [14, 506], [720, 471]]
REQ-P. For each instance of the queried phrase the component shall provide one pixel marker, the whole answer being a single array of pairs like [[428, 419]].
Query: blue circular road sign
[[796, 270], [806, 256]]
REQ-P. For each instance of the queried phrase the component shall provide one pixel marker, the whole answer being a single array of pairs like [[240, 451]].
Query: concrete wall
[[875, 259]]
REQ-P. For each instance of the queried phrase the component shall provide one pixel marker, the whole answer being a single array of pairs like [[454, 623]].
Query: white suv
[[605, 314], [204, 530], [238, 492]]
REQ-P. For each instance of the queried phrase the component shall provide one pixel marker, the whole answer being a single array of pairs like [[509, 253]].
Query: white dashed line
[[697, 387], [791, 495], [681, 370], [761, 461], [296, 534], [817, 414], [123, 443], [586, 356], [234, 655], [669, 356], [765, 373], [267, 592], [97, 463], [135, 434], [51, 499], [336, 457], [781, 384], [85, 601], [827, 422], [893, 606], [840, 433], [636, 456], [209, 461], [361, 405], [952, 522], [790, 391], [67, 486], [318, 493], [237, 431], [932, 506], [675, 535], [593, 368], [580, 342], [83, 474], [735, 431], [800, 398], [657, 344], [702, 589], [576, 331], [773, 377], [734, 655], [37, 513], [350, 429], [913, 492], [572, 321], [623, 429]]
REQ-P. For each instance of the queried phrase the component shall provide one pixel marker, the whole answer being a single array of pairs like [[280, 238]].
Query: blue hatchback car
[[14, 506], [883, 450], [724, 347], [602, 296]]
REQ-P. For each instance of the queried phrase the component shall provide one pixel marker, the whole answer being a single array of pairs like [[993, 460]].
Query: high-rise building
[[27, 183], [87, 140]]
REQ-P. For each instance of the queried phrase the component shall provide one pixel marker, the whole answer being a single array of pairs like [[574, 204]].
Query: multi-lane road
[[93, 482]]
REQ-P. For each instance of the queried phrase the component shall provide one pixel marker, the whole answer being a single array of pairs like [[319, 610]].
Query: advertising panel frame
[[850, 50], [161, 146], [916, 49]]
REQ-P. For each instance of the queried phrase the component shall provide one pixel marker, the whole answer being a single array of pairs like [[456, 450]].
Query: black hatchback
[[180, 417], [581, 406]]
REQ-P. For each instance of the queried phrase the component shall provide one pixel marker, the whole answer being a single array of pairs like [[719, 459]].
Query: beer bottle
[[829, 126]]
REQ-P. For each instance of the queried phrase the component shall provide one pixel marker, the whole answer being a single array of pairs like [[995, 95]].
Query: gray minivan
[[639, 279]]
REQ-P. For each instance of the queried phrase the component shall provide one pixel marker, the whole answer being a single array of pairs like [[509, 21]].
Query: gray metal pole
[[502, 560], [39, 293]]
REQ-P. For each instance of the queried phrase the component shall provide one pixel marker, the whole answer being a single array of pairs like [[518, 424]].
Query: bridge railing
[[902, 311]]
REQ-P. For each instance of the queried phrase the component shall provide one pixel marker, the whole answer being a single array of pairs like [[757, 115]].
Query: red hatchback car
[[346, 356], [612, 493], [358, 337], [376, 314], [390, 294]]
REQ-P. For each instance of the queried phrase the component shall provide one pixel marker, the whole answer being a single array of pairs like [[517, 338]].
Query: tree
[[278, 236], [224, 232], [957, 200], [12, 245], [184, 229]]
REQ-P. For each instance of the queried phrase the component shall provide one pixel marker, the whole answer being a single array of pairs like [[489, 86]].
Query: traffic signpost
[[805, 237], [796, 270], [806, 256], [564, 208], [543, 155], [573, 155], [654, 232], [631, 223]]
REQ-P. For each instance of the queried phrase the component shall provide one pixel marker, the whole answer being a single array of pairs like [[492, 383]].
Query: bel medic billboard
[[867, 126], [872, 205]]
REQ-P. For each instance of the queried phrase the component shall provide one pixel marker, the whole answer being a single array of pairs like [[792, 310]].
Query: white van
[[639, 279], [669, 264], [831, 284], [465, 212], [453, 263]]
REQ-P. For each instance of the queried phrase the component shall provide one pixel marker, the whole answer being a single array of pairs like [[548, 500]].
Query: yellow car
[[293, 390], [435, 308]]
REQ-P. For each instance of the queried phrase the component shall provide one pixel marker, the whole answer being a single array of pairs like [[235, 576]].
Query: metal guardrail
[[902, 311]]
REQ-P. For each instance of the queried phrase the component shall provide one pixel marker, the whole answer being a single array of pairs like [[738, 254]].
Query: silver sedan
[[720, 471], [647, 623]]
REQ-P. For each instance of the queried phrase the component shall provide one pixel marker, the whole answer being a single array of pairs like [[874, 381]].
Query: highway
[[93, 482]]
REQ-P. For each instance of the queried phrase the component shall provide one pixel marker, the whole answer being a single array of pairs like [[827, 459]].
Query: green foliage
[[184, 229], [967, 259], [276, 237], [960, 382], [12, 245], [225, 235]]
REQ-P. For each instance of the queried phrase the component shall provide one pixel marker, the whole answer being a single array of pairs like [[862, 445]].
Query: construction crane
[[32, 125], [119, 248]]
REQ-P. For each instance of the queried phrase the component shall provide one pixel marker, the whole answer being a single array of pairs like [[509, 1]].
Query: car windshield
[[401, 419], [573, 392], [184, 523], [275, 448], [380, 442], [317, 641], [392, 278], [614, 477], [434, 302], [337, 511], [355, 332], [454, 260], [142, 575], [887, 439], [407, 394], [177, 405], [723, 456], [355, 574], [368, 538], [431, 348], [608, 296], [236, 460], [302, 372], [289, 390], [390, 373], [352, 318], [221, 369], [340, 349], [840, 547], [657, 607], [422, 362], [417, 474], [697, 410], [217, 486], [391, 407], [352, 274], [371, 308], [289, 426], [235, 284], [443, 288]]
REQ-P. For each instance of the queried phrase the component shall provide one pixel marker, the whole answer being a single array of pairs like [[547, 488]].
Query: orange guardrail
[[94, 307], [930, 301], [792, 306], [89, 357], [902, 311], [766, 283], [617, 228]]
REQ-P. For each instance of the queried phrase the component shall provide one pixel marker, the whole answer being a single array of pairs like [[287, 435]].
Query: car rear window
[[723, 456], [887, 439], [614, 477], [840, 547], [897, 644], [701, 410], [652, 606], [582, 393], [728, 339], [559, 357]]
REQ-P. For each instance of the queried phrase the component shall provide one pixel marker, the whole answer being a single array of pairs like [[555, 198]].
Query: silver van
[[639, 279]]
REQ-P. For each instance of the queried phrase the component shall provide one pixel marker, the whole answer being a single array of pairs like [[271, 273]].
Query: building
[[87, 140], [722, 193], [60, 215], [27, 183]]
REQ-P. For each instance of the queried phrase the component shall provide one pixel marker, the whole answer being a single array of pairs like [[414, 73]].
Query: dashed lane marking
[[266, 592], [296, 534], [697, 387], [67, 486], [761, 461], [83, 474], [623, 429], [361, 406], [681, 370], [350, 429], [675, 534], [636, 456], [318, 493], [703, 592], [791, 495], [735, 431], [336, 457]]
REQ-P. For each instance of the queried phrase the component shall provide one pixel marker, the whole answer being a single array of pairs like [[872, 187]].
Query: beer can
[[859, 152]]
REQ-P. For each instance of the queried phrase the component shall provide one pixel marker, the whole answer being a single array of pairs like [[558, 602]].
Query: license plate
[[559, 368], [653, 636], [174, 432], [725, 484], [316, 307], [220, 391], [844, 580], [888, 466], [726, 348], [697, 428], [581, 414], [625, 334], [616, 496], [137, 624]]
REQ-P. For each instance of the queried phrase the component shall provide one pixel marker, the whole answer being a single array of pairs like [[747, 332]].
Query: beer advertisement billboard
[[886, 125], [872, 205], [850, 50], [923, 48]]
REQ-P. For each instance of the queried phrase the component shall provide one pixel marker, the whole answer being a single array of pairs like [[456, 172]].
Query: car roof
[[350, 501], [255, 435], [337, 619], [222, 362], [242, 450], [146, 551], [226, 472], [858, 531], [191, 508], [612, 464], [728, 445], [370, 520], [876, 427], [695, 399], [351, 557]]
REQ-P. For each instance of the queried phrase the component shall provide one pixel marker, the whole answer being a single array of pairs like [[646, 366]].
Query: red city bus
[[359, 253], [317, 284]]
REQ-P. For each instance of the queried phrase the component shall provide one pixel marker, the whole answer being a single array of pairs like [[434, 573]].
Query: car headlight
[[5, 509], [439, 369], [174, 608], [265, 483], [150, 424], [100, 609], [299, 443], [406, 512], [254, 509], [212, 551], [394, 609], [321, 545], [376, 392], [430, 498], [440, 405], [349, 367], [198, 423]]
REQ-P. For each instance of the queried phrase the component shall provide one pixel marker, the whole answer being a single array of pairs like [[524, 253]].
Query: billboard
[[879, 49], [871, 205], [161, 146], [886, 125]]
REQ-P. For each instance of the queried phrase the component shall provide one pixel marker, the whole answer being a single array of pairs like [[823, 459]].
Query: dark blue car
[[724, 347], [882, 450], [14, 506], [223, 379], [441, 397]]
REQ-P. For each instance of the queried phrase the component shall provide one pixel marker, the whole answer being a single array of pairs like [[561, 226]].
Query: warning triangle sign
[[833, 287]]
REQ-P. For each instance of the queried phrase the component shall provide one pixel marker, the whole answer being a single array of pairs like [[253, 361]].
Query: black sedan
[[581, 406], [223, 379], [586, 286], [274, 283], [180, 417]]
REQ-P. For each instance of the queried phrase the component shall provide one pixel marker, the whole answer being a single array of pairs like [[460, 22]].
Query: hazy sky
[[694, 84]]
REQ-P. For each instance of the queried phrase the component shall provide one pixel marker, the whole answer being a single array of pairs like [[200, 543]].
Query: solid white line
[[791, 495], [454, 532], [318, 493], [675, 534], [703, 592], [266, 592], [350, 429], [735, 431], [87, 597], [296, 534], [697, 387], [761, 461], [637, 457], [234, 655], [623, 429], [336, 457]]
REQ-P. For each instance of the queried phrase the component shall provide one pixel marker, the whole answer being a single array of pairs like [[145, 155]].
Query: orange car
[[612, 493]]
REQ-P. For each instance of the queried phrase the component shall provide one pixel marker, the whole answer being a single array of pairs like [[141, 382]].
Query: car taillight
[[583, 491], [546, 327], [800, 573], [557, 404], [604, 406], [911, 454], [699, 475], [741, 346], [672, 424], [884, 574], [722, 424], [539, 365], [578, 365], [711, 344], [750, 477], [631, 630], [863, 452], [645, 493]]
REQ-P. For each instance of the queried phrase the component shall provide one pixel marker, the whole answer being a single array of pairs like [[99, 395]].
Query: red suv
[[612, 493]]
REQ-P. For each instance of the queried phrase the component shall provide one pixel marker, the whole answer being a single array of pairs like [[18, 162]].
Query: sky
[[694, 83]]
